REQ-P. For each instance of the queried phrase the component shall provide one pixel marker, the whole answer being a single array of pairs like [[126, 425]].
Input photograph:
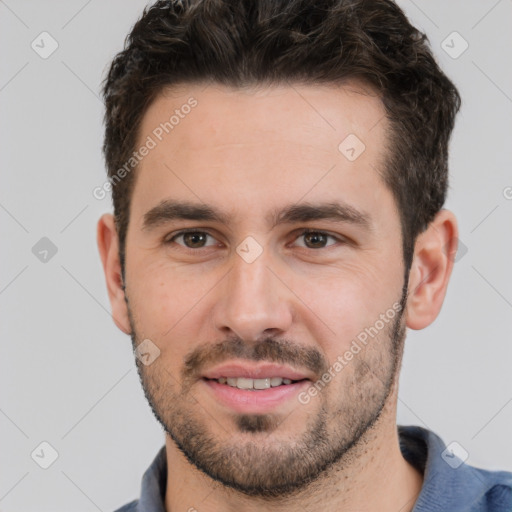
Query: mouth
[[255, 389], [255, 384]]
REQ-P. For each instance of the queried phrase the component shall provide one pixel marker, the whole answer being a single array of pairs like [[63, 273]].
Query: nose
[[253, 301]]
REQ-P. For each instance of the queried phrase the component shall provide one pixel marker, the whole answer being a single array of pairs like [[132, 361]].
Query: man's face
[[277, 305]]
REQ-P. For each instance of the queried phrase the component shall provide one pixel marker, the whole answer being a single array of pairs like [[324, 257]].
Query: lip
[[256, 371], [262, 401]]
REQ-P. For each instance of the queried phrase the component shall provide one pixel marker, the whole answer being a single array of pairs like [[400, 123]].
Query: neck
[[373, 476]]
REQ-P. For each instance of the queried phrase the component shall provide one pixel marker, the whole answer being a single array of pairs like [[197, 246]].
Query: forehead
[[236, 148], [320, 113]]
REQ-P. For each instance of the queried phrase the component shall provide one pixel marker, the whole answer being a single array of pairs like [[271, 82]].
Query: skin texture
[[302, 301]]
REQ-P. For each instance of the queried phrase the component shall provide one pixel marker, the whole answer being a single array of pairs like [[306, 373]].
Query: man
[[278, 171]]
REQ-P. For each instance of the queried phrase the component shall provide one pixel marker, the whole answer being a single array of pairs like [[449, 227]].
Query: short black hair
[[242, 43]]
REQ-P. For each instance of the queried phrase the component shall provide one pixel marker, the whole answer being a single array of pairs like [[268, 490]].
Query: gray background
[[67, 373]]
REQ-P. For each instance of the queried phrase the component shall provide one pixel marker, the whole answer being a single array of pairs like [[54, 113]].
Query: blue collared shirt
[[449, 484]]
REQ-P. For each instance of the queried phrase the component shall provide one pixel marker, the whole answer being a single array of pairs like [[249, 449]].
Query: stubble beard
[[253, 458]]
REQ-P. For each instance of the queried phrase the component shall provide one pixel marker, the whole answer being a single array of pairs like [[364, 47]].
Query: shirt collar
[[448, 483], [154, 483]]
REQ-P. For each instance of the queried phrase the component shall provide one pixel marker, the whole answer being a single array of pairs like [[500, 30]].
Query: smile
[[254, 384]]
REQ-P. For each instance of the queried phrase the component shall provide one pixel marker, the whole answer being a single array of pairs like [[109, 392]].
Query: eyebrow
[[169, 210]]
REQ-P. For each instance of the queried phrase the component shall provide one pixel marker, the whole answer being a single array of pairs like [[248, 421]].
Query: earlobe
[[431, 268], [108, 246]]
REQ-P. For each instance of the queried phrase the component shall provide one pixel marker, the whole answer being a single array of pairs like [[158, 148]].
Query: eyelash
[[306, 231]]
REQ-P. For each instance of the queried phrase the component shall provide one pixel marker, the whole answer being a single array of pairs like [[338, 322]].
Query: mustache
[[268, 349]]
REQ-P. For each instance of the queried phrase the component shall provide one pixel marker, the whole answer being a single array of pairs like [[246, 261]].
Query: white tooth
[[276, 381], [246, 383], [243, 383], [261, 383]]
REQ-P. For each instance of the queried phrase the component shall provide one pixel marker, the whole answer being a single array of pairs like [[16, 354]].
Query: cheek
[[167, 297], [338, 305], [347, 293]]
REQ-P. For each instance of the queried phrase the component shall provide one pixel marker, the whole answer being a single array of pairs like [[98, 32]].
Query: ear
[[108, 245], [434, 255]]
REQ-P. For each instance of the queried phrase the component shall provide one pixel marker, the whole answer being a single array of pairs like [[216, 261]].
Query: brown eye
[[317, 239], [191, 239], [194, 240]]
